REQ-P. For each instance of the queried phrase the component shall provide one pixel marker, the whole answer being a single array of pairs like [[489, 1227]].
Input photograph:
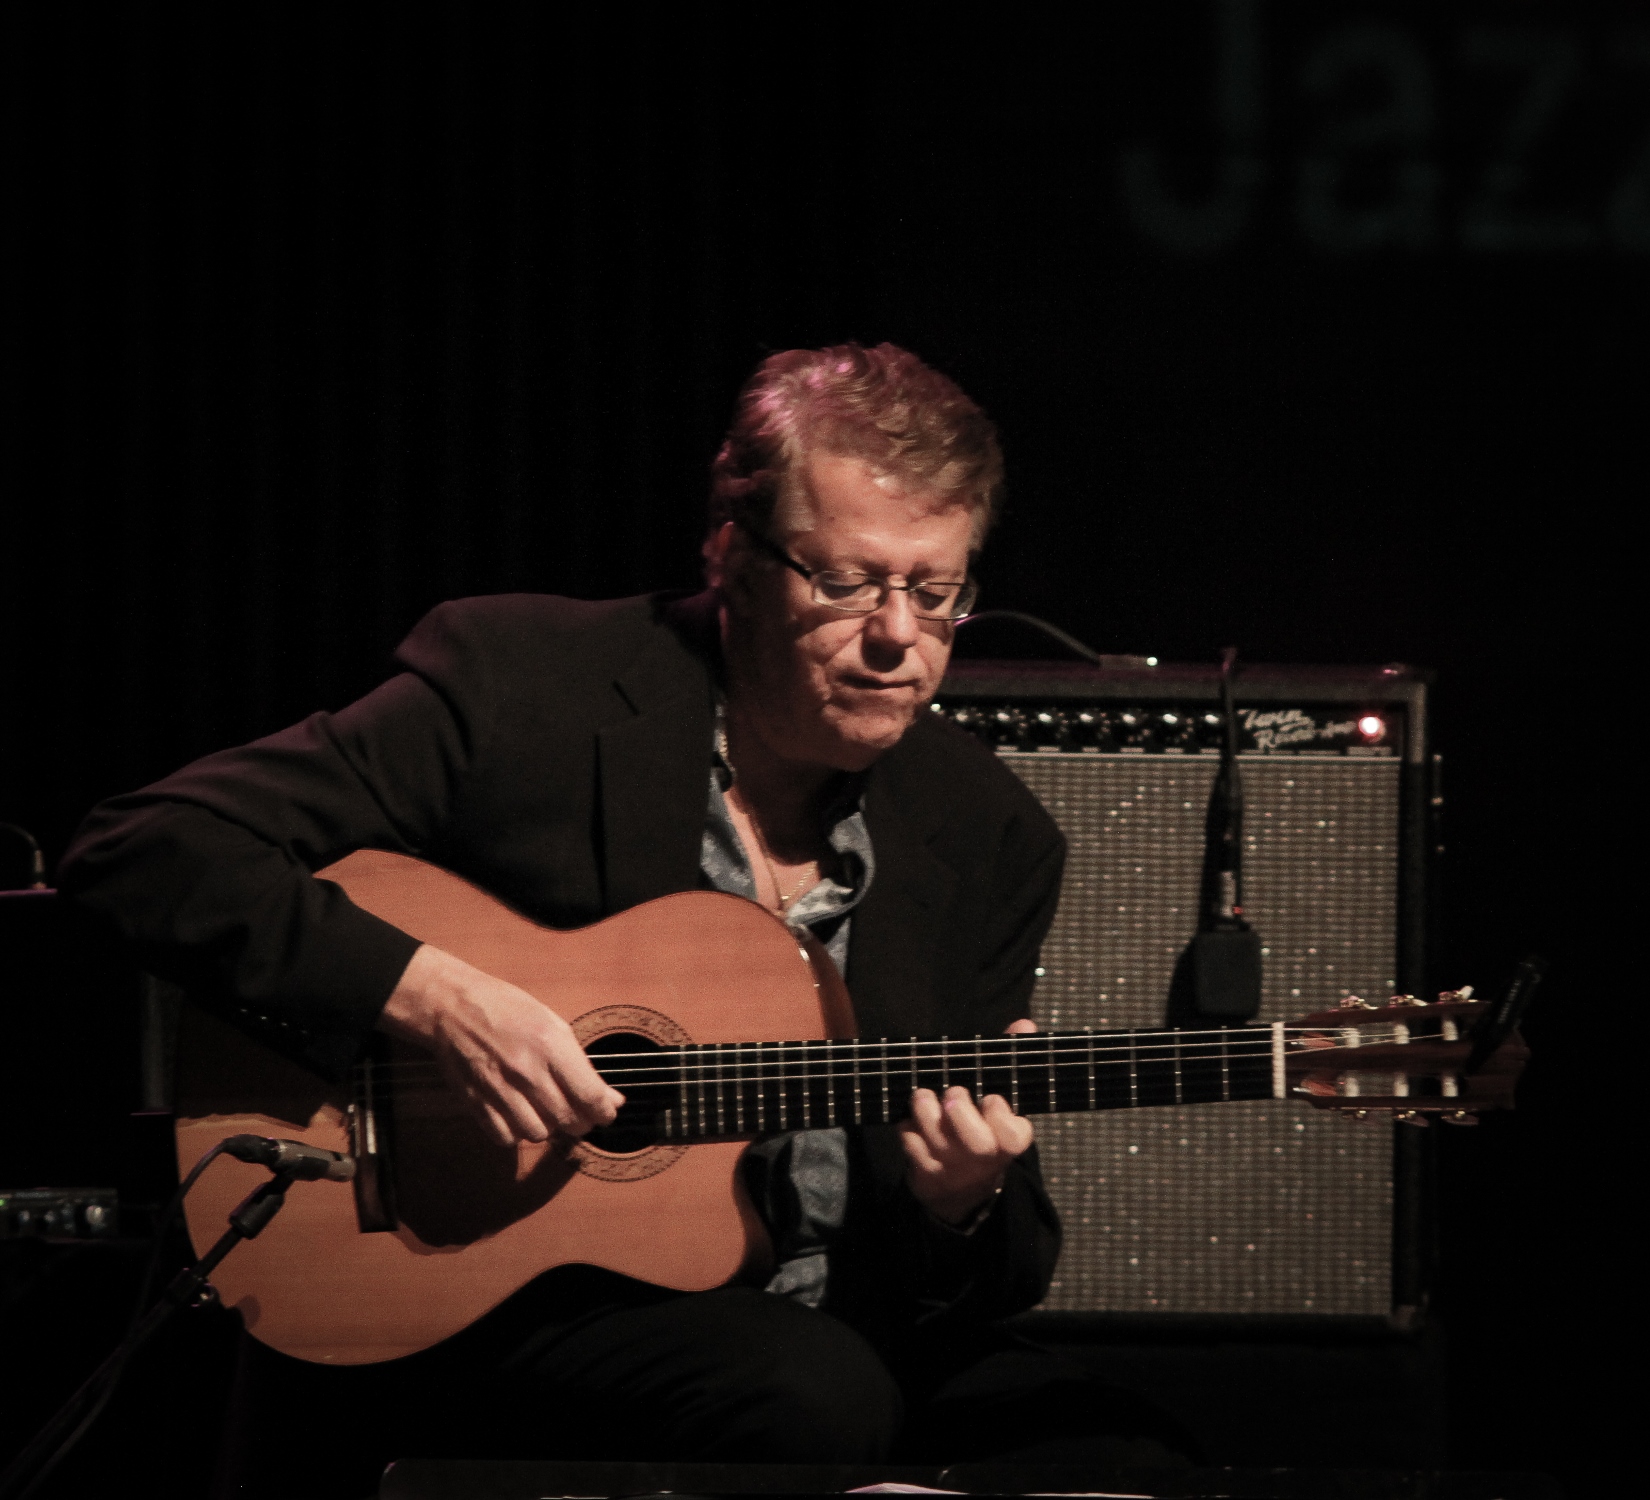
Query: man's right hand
[[516, 1060]]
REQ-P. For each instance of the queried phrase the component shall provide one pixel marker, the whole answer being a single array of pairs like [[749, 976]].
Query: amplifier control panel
[[1111, 728]]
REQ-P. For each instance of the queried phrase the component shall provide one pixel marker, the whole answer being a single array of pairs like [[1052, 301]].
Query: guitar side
[[477, 1221]]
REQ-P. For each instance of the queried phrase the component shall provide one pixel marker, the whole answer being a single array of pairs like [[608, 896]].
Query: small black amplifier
[[1266, 1209]]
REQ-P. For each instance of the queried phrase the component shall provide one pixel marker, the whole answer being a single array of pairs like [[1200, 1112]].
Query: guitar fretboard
[[739, 1089]]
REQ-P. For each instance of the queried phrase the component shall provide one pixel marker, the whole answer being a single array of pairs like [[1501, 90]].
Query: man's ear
[[718, 545]]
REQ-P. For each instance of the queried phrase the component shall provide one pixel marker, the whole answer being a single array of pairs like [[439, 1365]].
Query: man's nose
[[894, 622]]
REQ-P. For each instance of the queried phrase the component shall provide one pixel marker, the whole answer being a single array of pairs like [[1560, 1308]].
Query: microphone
[[1224, 956], [291, 1158]]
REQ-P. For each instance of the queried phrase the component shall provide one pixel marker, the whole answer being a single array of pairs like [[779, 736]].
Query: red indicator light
[[1372, 727]]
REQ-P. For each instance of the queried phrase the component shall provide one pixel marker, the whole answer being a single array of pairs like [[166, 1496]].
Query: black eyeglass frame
[[968, 591]]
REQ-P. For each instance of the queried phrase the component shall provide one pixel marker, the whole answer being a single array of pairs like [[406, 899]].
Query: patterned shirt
[[799, 1180]]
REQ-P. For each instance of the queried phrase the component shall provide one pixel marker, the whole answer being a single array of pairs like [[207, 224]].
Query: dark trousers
[[584, 1365]]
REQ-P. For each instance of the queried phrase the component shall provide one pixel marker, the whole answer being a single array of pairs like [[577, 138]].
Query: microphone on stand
[[1223, 959], [291, 1158]]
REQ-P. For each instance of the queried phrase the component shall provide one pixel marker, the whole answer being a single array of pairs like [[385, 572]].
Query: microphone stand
[[189, 1288]]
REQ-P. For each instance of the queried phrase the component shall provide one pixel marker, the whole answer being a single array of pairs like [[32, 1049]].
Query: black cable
[[104, 1390], [157, 1243], [1070, 642], [1226, 825]]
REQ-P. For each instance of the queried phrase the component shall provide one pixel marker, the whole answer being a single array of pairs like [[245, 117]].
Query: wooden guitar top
[[477, 1221]]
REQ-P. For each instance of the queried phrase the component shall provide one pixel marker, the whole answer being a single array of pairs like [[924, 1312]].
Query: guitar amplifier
[[1262, 1209]]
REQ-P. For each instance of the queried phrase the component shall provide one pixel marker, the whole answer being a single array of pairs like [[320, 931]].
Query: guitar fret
[[721, 1105], [1056, 1072], [699, 1087], [682, 1107]]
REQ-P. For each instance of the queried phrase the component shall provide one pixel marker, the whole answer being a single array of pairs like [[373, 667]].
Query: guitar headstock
[[1407, 1060]]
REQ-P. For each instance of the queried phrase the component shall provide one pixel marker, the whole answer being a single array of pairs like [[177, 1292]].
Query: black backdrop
[[1317, 328]]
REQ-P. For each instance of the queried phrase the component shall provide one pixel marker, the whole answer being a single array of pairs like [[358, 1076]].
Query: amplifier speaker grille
[[1247, 1208]]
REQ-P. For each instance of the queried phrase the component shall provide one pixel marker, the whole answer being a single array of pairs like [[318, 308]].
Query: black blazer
[[556, 753]]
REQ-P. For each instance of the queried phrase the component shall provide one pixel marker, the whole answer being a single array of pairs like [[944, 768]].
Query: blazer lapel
[[892, 954], [655, 771]]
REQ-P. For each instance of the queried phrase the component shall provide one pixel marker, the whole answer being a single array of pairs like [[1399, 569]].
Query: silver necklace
[[785, 901]]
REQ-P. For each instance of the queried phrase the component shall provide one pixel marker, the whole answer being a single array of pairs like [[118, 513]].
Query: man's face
[[821, 687]]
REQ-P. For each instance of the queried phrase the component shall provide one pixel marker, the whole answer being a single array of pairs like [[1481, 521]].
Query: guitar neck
[[733, 1090]]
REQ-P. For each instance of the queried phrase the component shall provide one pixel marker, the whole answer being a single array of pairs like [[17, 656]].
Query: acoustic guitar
[[718, 1026]]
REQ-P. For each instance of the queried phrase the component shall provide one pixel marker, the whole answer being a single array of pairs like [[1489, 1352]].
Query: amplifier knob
[[1048, 727], [1091, 729], [1209, 728], [1176, 730], [1134, 729], [1008, 728], [974, 719]]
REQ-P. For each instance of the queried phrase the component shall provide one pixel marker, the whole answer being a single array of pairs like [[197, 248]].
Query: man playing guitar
[[767, 738]]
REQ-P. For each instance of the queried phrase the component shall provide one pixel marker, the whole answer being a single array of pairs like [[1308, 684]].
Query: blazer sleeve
[[207, 874]]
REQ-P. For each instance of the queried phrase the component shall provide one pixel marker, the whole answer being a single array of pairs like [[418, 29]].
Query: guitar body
[[469, 1222]]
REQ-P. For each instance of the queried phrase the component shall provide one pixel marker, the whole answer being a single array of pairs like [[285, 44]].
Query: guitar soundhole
[[630, 1148]]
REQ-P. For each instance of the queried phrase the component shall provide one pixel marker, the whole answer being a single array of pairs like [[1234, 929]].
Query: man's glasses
[[865, 593]]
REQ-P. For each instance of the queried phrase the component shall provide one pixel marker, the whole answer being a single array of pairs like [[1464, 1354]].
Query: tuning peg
[[1354, 1002], [1459, 1117], [1445, 997], [1405, 1000], [1411, 1117]]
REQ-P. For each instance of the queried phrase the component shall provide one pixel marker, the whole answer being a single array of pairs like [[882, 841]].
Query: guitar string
[[1021, 1044], [1188, 1045], [668, 1067], [648, 1066], [1035, 1104]]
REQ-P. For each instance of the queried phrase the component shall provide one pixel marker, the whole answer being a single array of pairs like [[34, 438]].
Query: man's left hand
[[957, 1154]]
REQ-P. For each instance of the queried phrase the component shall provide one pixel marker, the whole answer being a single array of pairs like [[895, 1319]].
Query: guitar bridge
[[369, 1136]]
